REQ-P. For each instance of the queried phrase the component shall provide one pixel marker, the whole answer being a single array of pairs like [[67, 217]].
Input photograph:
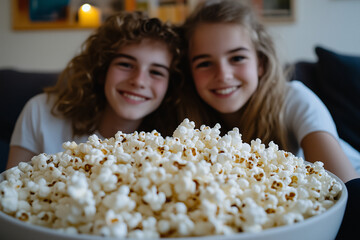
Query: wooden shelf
[[175, 11], [21, 19]]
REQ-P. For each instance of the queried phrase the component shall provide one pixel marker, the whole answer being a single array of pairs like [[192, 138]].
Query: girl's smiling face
[[224, 65], [137, 79]]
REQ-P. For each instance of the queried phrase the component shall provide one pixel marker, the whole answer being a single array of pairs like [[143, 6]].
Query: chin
[[133, 117], [226, 110]]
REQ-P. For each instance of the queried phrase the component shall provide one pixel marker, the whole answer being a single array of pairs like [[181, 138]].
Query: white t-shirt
[[39, 131], [306, 113]]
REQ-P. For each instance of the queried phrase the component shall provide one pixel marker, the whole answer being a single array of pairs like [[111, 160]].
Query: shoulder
[[36, 129], [39, 98], [305, 112], [38, 109], [300, 98], [39, 102], [297, 90]]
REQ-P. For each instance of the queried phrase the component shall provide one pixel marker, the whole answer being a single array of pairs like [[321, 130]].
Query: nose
[[139, 79], [224, 72]]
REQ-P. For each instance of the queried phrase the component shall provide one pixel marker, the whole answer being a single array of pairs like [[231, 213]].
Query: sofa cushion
[[338, 78], [306, 73], [16, 88]]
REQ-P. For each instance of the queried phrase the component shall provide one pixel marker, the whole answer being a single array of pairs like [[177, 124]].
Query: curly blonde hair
[[262, 116], [79, 91]]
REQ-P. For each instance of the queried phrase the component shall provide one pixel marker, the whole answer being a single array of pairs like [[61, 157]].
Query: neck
[[110, 124], [231, 120]]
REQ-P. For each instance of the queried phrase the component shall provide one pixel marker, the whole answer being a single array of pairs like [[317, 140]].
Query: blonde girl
[[241, 83]]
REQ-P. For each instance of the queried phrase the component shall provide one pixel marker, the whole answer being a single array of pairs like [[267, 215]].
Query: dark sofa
[[16, 88], [335, 78]]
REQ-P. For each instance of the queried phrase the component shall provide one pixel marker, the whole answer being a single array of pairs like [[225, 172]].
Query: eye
[[125, 65], [159, 73], [237, 58], [154, 72], [203, 64]]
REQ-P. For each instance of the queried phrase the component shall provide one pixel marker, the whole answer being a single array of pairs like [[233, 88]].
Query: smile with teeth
[[225, 91], [133, 97]]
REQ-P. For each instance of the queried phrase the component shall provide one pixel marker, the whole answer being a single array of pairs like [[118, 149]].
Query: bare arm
[[322, 146], [17, 155]]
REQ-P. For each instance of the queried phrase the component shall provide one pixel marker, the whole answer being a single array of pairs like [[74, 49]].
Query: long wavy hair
[[79, 91], [262, 116]]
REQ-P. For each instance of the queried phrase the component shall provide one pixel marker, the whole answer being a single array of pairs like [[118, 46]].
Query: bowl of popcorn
[[195, 184]]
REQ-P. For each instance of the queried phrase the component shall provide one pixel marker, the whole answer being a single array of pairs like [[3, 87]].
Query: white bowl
[[321, 227]]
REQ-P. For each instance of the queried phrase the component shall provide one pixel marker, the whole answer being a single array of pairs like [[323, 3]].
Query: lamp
[[89, 16]]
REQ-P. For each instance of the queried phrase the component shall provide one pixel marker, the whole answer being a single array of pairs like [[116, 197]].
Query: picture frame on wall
[[275, 11], [41, 14]]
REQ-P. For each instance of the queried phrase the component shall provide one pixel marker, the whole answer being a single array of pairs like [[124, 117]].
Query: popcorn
[[9, 198], [194, 183]]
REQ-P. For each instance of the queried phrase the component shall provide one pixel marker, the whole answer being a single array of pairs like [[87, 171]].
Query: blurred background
[[42, 35]]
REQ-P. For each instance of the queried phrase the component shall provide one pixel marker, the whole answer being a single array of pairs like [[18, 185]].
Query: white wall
[[36, 50], [334, 24], [331, 23]]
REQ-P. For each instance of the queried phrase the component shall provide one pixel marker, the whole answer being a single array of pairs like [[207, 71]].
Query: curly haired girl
[[125, 79]]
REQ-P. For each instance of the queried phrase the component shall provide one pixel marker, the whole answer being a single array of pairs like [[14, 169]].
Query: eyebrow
[[134, 59], [208, 55]]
